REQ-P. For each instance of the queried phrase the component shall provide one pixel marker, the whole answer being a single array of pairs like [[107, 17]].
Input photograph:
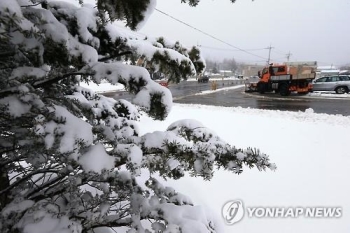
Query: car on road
[[203, 79], [163, 83], [338, 83]]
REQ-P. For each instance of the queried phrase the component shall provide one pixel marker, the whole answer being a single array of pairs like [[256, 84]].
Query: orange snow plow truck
[[284, 78]]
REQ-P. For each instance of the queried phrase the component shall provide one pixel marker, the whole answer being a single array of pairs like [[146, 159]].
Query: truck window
[[281, 69]]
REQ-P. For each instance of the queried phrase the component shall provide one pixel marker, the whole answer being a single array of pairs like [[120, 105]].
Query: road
[[184, 92]]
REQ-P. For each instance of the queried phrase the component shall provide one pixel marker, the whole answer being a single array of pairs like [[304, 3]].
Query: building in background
[[251, 70]]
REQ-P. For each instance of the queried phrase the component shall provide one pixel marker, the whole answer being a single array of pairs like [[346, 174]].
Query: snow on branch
[[136, 80], [189, 146]]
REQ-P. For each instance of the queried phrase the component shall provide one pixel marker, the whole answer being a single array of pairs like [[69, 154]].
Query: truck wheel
[[341, 90], [261, 88], [284, 89]]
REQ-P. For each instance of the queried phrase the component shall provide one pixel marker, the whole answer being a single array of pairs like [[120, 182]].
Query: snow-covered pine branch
[[190, 146], [71, 158]]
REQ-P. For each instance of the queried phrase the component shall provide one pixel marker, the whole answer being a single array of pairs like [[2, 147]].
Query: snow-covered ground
[[328, 95], [311, 153]]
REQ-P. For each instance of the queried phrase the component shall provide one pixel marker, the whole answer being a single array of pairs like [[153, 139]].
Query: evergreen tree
[[71, 158]]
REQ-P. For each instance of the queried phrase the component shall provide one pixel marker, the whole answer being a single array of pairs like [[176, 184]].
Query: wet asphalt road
[[235, 98], [184, 92]]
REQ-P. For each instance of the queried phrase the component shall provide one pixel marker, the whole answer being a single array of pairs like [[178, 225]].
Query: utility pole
[[269, 48], [288, 56]]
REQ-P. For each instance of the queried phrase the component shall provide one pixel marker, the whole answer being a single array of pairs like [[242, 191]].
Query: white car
[[338, 83]]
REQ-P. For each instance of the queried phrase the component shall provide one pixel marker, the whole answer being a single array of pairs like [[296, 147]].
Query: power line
[[234, 50], [278, 59], [280, 51], [207, 34]]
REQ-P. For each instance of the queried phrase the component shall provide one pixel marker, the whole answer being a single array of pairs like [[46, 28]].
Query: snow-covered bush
[[70, 158]]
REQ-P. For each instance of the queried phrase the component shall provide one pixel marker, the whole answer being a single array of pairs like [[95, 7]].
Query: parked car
[[338, 83], [203, 79]]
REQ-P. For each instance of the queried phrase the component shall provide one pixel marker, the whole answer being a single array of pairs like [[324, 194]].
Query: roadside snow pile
[[213, 78], [221, 89], [329, 94]]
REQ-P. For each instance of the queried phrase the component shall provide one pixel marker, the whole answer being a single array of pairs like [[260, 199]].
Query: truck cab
[[273, 70]]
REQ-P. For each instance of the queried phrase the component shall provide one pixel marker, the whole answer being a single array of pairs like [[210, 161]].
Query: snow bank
[[309, 149]]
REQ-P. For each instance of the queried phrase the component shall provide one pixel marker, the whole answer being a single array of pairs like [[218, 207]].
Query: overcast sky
[[312, 30]]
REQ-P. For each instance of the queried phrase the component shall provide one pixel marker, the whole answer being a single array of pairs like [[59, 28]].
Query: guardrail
[[227, 82]]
